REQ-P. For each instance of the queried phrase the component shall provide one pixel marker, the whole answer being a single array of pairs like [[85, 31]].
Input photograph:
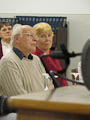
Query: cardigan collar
[[21, 55]]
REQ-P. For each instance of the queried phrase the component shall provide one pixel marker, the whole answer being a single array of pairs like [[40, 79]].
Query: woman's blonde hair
[[42, 27]]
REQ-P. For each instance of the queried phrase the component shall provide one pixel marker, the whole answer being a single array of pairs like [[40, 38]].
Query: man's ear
[[16, 38]]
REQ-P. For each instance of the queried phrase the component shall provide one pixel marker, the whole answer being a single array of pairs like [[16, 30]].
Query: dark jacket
[[4, 109]]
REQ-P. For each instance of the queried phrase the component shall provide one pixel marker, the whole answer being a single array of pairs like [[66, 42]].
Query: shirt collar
[[4, 43], [21, 55]]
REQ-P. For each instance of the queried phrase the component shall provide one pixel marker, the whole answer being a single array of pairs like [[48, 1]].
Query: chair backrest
[[74, 70]]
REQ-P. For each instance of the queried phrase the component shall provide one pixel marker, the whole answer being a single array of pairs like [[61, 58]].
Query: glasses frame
[[30, 35]]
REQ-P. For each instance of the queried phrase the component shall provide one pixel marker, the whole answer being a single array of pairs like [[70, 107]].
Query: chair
[[74, 72]]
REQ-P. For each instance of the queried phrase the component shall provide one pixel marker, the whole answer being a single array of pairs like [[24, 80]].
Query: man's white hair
[[17, 29]]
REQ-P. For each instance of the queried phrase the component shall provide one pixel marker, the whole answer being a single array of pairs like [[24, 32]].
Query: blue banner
[[53, 21]]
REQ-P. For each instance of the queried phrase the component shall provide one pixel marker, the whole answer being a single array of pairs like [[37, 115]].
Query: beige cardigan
[[22, 76]]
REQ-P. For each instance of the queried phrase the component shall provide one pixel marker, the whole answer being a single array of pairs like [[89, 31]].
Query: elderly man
[[5, 36], [20, 71]]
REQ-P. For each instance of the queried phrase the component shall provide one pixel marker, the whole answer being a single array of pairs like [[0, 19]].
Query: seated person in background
[[20, 71], [45, 38], [5, 37]]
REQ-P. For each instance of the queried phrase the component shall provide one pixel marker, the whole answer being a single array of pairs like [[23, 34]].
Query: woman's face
[[5, 33], [45, 40]]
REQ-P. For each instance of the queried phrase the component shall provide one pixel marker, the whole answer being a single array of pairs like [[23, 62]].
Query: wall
[[45, 6]]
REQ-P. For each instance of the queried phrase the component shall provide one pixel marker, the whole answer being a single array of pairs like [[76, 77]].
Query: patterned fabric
[[12, 21], [53, 21]]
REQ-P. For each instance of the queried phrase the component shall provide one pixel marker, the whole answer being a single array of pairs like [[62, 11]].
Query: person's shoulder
[[35, 57], [8, 58]]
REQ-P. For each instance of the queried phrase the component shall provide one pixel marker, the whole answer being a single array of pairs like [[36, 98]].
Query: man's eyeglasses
[[30, 35]]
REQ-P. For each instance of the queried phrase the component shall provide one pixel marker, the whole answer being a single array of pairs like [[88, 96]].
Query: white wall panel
[[45, 6]]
